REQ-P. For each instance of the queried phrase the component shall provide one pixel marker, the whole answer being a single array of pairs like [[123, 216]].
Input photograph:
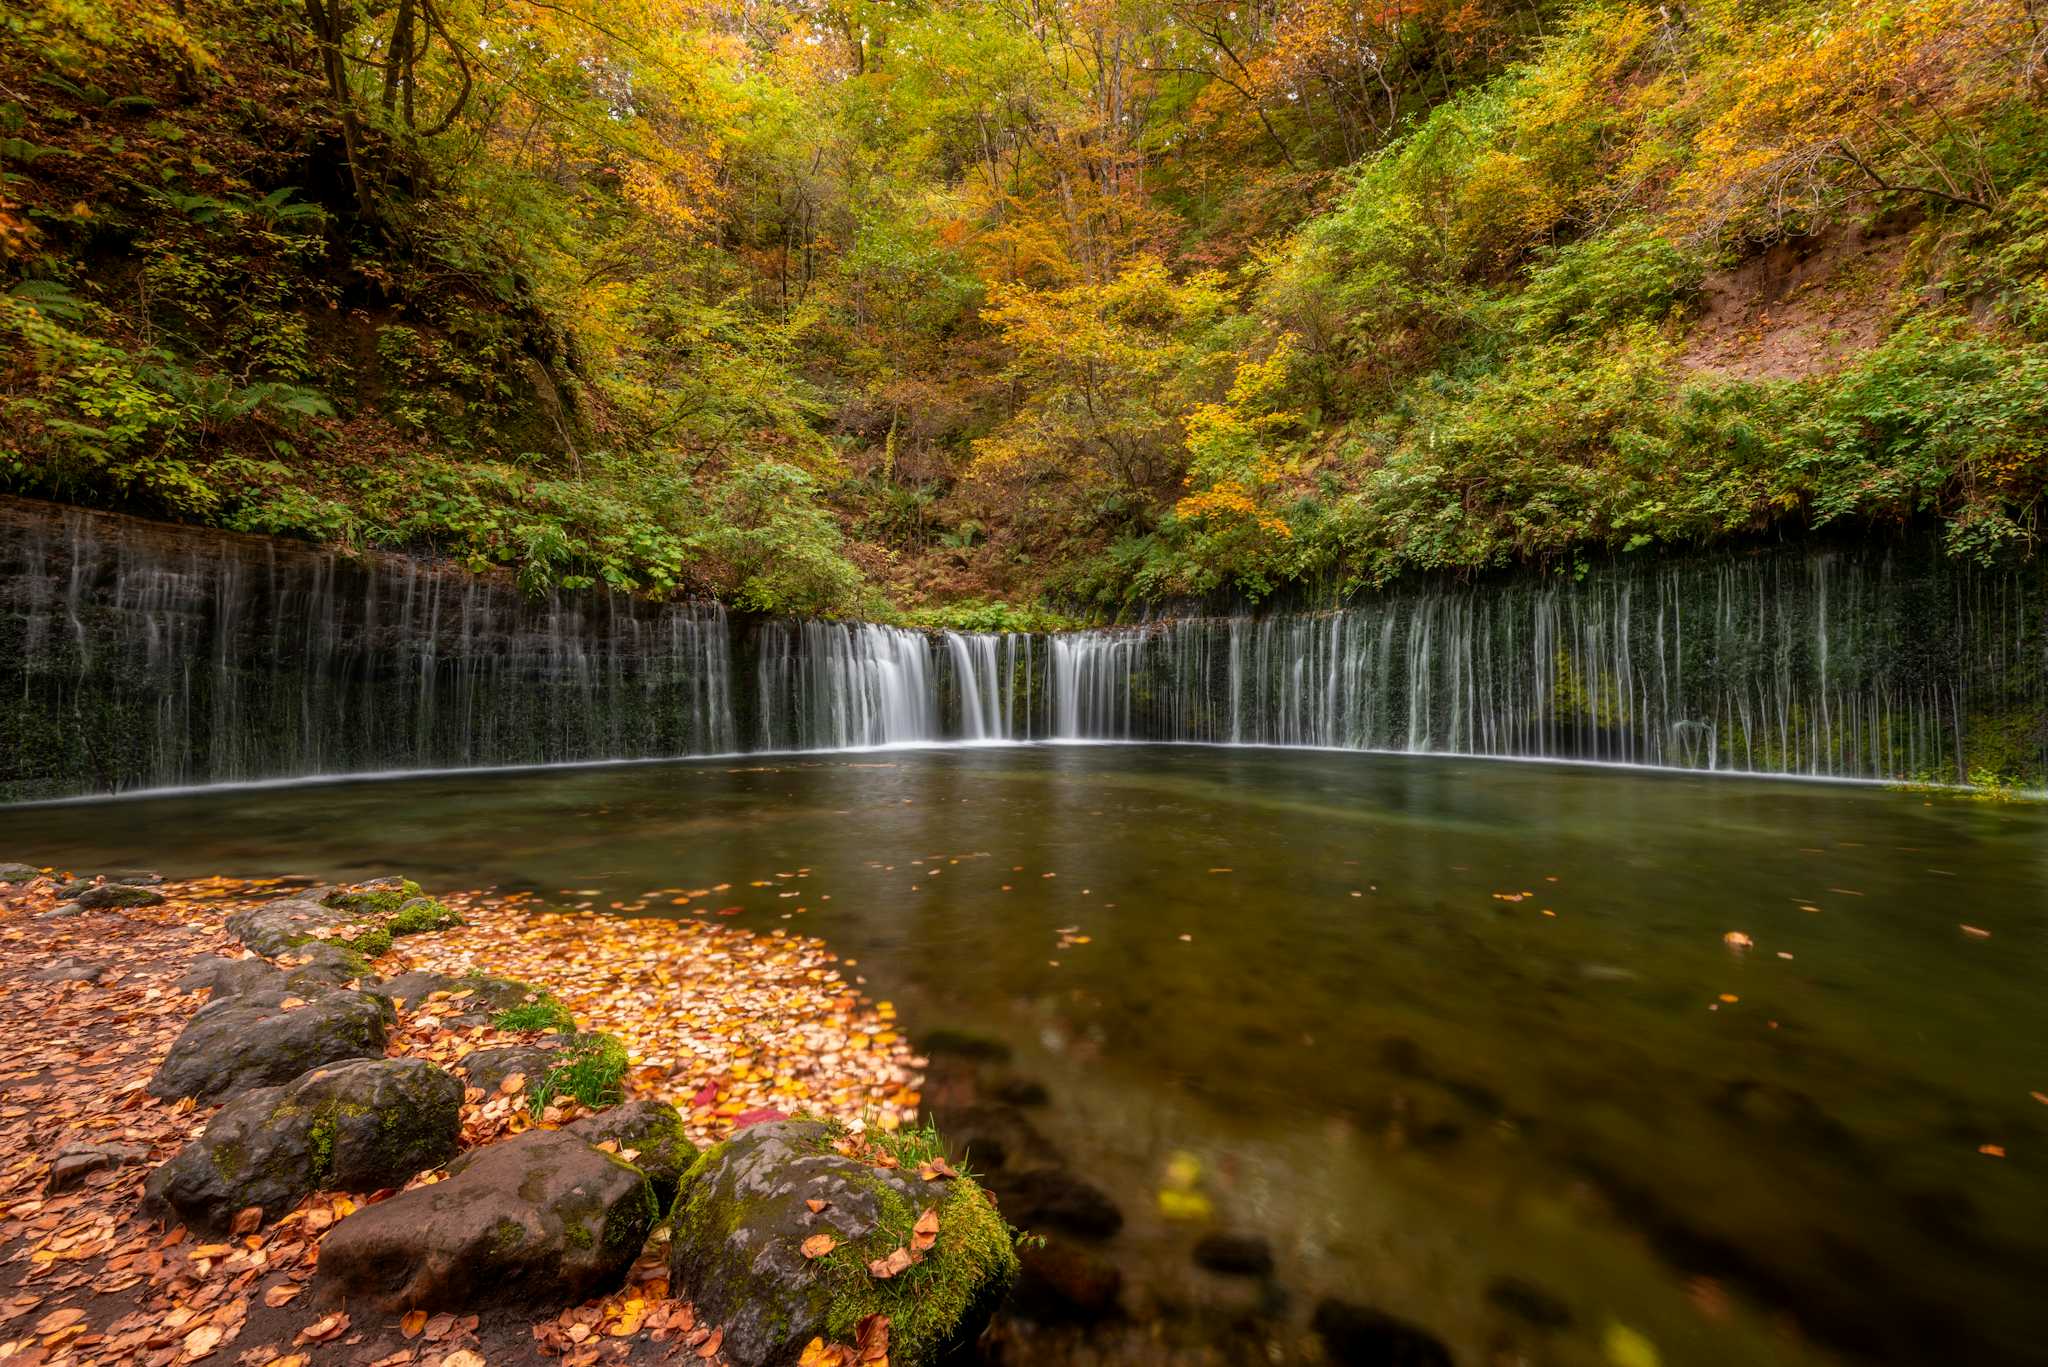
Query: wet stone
[[1527, 1301], [19, 873], [111, 896], [76, 1162], [485, 1069], [1053, 1198], [537, 1221], [240, 1043], [358, 1126], [231, 977], [650, 1136], [1234, 1255], [279, 927], [1359, 1336]]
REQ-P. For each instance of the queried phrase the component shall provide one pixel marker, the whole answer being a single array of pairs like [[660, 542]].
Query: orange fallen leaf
[[1976, 933], [818, 1353], [512, 1084], [202, 1341], [325, 1328], [247, 1220], [925, 1232], [1992, 1150], [413, 1323], [818, 1245], [709, 1348], [817, 1205], [463, 1357], [59, 1319], [282, 1294], [884, 1268]]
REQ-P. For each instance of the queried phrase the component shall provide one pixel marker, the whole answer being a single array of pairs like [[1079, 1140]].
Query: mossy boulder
[[318, 963], [114, 896], [242, 1043], [538, 1221], [649, 1135], [19, 873], [420, 916], [359, 1126], [743, 1215], [377, 897], [279, 927]]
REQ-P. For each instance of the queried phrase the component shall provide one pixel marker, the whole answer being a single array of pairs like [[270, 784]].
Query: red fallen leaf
[[759, 1116], [871, 1339], [706, 1094], [709, 1348], [925, 1232]]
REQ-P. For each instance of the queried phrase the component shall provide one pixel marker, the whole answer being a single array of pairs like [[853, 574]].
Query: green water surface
[[1325, 985]]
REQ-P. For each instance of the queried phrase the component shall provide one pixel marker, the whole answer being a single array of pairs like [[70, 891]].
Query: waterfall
[[137, 655], [1818, 664]]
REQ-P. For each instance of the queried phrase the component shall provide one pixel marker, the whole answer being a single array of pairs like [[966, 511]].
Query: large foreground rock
[[741, 1221], [359, 1126], [241, 1043], [538, 1221]]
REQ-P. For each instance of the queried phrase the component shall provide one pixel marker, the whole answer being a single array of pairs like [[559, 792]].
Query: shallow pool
[[1448, 1034]]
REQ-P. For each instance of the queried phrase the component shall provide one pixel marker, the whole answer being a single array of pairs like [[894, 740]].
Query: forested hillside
[[976, 310]]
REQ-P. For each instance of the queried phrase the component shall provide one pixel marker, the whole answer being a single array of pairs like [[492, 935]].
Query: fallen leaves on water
[[1976, 932]]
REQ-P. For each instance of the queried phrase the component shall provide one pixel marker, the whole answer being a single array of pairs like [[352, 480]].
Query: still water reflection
[[1433, 1028]]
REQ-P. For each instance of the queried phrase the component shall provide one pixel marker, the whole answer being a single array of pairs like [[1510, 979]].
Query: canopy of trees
[[927, 307]]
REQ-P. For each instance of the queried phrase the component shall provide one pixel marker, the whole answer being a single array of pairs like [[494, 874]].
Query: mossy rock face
[[377, 897], [538, 1221], [419, 916], [251, 1041], [487, 996], [357, 1126], [110, 896], [650, 1137], [280, 927], [741, 1220]]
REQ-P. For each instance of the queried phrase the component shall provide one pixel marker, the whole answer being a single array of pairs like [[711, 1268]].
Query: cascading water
[[1818, 664], [139, 655]]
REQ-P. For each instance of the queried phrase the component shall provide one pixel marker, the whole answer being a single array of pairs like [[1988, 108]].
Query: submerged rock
[[76, 1162], [1064, 1282], [359, 1126], [1360, 1336], [279, 927], [538, 1221], [231, 977], [1528, 1301], [1042, 1198], [737, 1250], [241, 1043], [650, 1137], [1235, 1255], [109, 896]]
